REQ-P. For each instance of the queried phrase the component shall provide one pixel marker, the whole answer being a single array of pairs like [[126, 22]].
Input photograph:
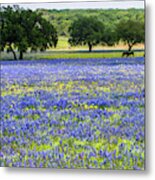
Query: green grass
[[68, 55], [79, 55], [63, 43]]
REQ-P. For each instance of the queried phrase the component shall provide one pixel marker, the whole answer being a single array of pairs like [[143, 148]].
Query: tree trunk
[[14, 54], [90, 47], [21, 55], [129, 47]]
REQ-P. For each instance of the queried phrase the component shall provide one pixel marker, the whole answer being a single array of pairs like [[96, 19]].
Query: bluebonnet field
[[73, 113]]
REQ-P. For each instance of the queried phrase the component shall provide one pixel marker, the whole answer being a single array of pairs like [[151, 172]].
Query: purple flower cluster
[[73, 113]]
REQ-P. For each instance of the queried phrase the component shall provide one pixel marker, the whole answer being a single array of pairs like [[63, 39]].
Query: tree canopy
[[91, 31], [86, 30], [25, 29], [63, 18], [131, 32]]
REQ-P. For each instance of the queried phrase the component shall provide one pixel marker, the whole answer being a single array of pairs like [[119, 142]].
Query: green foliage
[[109, 36], [26, 30], [22, 29], [131, 32], [62, 19], [86, 30]]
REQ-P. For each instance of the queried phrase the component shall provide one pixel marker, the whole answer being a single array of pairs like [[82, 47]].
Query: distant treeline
[[62, 19]]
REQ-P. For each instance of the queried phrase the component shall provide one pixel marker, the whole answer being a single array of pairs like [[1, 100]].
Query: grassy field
[[83, 55], [64, 45], [65, 51], [68, 55]]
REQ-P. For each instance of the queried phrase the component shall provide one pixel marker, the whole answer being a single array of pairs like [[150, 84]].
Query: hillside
[[62, 19]]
